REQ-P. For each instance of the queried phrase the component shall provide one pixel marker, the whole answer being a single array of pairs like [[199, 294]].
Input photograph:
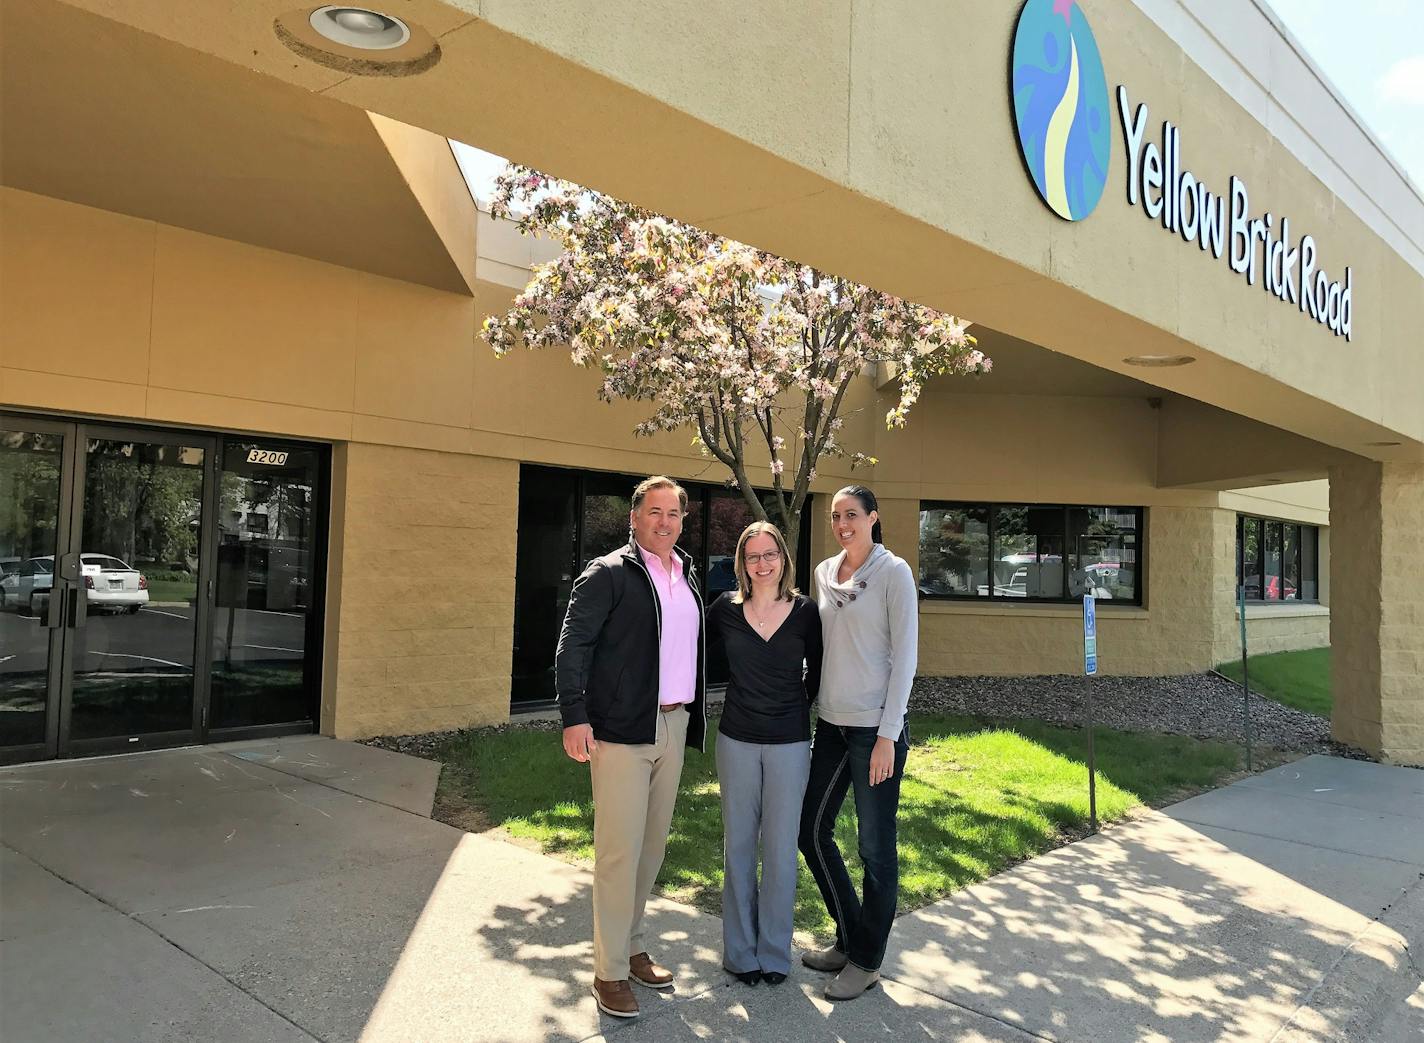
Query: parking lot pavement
[[238, 893]]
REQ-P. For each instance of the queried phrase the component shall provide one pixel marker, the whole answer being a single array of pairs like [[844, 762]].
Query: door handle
[[78, 608]]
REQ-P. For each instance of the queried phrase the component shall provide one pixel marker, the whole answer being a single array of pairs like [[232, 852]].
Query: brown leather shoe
[[648, 973], [615, 998]]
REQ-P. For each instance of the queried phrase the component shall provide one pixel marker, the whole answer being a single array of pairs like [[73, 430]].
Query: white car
[[110, 584], [25, 588]]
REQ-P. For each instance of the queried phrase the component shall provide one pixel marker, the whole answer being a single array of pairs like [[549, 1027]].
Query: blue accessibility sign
[[1090, 635]]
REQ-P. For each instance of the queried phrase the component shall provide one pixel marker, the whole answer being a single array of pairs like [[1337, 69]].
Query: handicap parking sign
[[1090, 635]]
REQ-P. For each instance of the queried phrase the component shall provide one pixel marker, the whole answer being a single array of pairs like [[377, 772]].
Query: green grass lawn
[[977, 799], [172, 590], [1299, 679]]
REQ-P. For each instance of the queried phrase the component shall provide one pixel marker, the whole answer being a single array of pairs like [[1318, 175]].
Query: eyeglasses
[[771, 557]]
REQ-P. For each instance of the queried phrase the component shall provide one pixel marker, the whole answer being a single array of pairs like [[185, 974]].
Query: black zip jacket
[[606, 668]]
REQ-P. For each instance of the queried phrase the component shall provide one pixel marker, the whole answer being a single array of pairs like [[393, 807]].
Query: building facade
[[260, 474]]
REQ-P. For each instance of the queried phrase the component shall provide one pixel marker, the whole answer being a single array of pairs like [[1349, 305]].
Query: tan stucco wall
[[886, 163], [106, 314], [1307, 502], [425, 620]]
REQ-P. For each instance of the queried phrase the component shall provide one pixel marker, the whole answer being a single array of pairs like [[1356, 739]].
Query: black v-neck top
[[768, 701]]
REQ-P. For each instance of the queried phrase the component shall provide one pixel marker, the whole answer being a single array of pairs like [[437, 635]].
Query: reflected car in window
[[25, 589], [112, 584]]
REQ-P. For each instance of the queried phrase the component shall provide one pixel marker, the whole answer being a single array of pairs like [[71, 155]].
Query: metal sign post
[[1245, 677], [1090, 669]]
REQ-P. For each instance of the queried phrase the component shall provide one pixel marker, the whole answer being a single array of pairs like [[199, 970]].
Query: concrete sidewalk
[[296, 890]]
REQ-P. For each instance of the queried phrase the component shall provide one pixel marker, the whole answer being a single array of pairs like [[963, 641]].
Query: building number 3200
[[266, 456]]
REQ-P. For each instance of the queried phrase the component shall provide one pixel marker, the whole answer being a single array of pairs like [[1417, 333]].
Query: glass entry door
[[103, 560], [34, 509], [135, 561], [156, 588]]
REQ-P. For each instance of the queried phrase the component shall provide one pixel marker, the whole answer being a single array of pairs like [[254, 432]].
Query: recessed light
[[357, 41], [1159, 360], [357, 27], [1382, 445]]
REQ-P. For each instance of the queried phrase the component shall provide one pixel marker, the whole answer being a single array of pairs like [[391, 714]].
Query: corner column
[[1377, 608]]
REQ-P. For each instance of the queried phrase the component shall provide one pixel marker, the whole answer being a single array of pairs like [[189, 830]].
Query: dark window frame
[[994, 598], [524, 694], [1304, 531]]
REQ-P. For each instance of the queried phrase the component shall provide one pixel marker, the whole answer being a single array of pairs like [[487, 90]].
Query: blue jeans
[[840, 761]]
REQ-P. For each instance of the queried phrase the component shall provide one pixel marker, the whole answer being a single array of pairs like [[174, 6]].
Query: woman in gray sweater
[[869, 624]]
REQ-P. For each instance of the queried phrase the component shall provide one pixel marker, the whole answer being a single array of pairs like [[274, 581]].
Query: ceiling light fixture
[[357, 27], [357, 41], [1159, 360]]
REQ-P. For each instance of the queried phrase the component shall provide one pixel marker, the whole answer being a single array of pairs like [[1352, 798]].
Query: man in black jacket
[[629, 677]]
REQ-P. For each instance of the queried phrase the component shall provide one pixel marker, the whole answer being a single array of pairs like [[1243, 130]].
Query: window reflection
[[1277, 560], [1290, 564], [954, 551], [133, 660], [1273, 561], [1102, 559], [1029, 551], [267, 518], [567, 518], [29, 522]]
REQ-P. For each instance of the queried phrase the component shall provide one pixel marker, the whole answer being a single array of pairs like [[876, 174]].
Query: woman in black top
[[766, 630]]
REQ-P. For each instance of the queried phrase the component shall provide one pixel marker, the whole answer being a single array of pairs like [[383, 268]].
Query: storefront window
[[1290, 563], [1248, 557], [1309, 552], [1102, 553], [954, 552], [1029, 551], [1277, 560], [1273, 561], [567, 518]]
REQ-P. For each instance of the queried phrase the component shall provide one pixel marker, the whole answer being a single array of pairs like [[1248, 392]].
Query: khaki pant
[[634, 789]]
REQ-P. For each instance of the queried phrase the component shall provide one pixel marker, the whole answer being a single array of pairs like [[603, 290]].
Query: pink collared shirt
[[677, 650]]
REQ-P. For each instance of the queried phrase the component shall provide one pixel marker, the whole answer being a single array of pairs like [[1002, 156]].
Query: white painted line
[[6, 659], [268, 648], [149, 658], [172, 615]]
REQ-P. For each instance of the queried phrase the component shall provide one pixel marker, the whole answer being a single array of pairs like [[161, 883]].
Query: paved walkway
[[296, 890]]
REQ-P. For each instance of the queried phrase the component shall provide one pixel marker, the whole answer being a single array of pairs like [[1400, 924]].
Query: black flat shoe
[[773, 977], [747, 977]]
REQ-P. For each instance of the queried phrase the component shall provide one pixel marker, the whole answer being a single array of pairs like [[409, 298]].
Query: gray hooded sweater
[[870, 625]]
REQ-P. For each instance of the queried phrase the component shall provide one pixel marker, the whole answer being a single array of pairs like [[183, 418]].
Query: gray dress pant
[[762, 789]]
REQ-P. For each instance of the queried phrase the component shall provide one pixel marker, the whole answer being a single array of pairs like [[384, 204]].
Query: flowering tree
[[741, 346]]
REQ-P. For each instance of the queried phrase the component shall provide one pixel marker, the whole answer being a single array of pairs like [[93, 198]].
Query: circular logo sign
[[1061, 106]]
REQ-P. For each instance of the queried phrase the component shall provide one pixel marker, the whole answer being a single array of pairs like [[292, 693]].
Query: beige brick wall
[[1377, 608], [1272, 630], [424, 569], [1187, 601]]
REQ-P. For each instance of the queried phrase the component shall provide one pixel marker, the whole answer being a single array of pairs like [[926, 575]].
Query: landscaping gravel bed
[[1201, 705]]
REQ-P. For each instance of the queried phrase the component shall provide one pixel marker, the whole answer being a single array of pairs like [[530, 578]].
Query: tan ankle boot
[[831, 959]]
